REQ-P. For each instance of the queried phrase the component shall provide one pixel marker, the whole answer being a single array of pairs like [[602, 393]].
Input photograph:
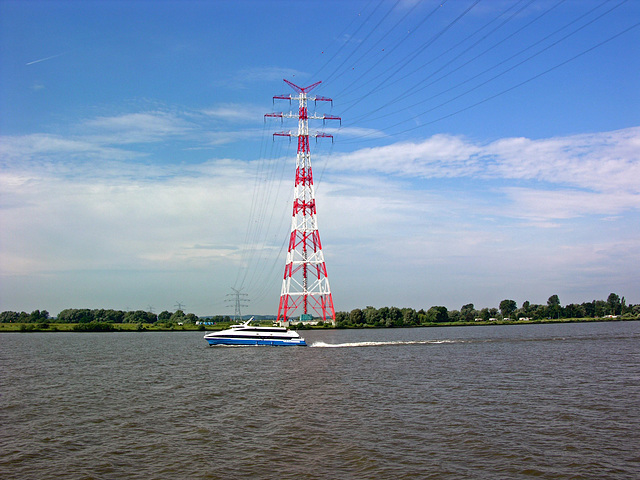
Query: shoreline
[[132, 327]]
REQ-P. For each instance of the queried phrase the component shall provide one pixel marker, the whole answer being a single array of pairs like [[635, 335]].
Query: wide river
[[553, 401]]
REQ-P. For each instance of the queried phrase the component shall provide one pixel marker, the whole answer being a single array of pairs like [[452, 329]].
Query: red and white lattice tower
[[305, 286]]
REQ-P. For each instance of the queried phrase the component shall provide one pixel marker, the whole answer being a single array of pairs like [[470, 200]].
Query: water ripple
[[550, 402]]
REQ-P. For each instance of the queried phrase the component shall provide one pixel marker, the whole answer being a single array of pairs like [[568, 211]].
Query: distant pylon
[[238, 302], [305, 286]]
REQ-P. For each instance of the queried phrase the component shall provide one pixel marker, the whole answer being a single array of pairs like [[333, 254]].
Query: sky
[[487, 150]]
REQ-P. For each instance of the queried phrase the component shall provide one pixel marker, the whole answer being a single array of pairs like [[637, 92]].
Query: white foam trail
[[378, 344]]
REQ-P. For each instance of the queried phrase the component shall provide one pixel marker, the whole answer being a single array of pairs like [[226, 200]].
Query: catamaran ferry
[[245, 334]]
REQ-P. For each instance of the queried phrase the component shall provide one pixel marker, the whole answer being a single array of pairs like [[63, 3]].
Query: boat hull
[[298, 342]]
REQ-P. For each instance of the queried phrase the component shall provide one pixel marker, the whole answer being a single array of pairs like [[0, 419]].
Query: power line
[[362, 42], [398, 66], [388, 32], [353, 35], [413, 90], [518, 84], [470, 79]]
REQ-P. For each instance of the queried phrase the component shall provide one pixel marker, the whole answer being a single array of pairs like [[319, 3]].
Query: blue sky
[[488, 150]]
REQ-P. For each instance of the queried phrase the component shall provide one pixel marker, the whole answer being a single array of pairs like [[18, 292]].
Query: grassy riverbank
[[157, 327], [94, 327]]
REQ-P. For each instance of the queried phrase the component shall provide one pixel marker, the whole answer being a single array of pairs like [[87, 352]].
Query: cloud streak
[[235, 112], [143, 127], [45, 59]]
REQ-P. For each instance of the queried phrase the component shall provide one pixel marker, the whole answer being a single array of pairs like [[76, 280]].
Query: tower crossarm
[[284, 96], [312, 98], [331, 117], [323, 135], [285, 115], [285, 134], [302, 89], [317, 99], [313, 116], [295, 134]]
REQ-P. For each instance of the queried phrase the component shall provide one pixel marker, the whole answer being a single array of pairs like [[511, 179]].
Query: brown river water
[[553, 401]]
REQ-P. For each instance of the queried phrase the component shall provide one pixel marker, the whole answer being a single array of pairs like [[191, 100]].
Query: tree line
[[85, 315], [369, 316], [508, 310]]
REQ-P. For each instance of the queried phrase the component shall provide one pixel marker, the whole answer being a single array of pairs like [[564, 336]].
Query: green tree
[[589, 309], [539, 312], [613, 300], [9, 317], [507, 308], [342, 319], [81, 315], [394, 317], [554, 306], [114, 316], [601, 308], [191, 318], [64, 316], [454, 316], [468, 313], [356, 316], [409, 317], [574, 311], [372, 316], [437, 314], [139, 316], [383, 313]]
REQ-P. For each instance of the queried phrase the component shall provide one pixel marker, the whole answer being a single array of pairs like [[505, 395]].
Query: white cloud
[[225, 137], [607, 161], [120, 220], [138, 127], [43, 147], [392, 229], [544, 205], [574, 176], [438, 156], [235, 112], [354, 132], [570, 160]]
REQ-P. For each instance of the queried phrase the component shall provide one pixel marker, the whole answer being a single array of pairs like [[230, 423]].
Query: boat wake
[[379, 344]]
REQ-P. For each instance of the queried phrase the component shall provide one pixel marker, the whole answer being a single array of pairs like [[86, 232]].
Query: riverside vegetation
[[83, 320]]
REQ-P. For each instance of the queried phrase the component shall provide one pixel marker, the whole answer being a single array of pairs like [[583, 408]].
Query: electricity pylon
[[239, 301], [305, 286]]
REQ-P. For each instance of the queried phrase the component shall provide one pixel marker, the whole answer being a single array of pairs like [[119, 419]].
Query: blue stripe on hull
[[252, 342]]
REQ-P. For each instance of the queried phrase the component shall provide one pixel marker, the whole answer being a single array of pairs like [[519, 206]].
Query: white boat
[[245, 334]]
